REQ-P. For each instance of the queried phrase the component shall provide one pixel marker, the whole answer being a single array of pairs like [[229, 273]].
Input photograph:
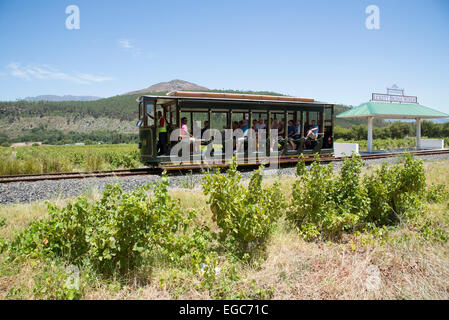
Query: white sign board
[[393, 98]]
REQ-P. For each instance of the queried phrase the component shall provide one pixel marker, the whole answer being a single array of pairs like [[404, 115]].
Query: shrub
[[113, 234], [245, 215], [394, 190], [325, 205]]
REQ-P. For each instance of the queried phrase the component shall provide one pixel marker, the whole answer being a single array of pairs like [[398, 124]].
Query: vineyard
[[383, 144], [378, 232], [49, 159]]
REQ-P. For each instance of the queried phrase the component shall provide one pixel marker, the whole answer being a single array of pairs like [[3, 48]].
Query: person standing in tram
[[162, 133]]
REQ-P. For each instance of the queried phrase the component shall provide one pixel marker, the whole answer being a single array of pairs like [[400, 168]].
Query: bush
[[246, 216], [394, 190], [113, 234], [325, 205]]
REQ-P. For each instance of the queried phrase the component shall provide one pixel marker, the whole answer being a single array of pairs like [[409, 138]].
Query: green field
[[48, 159]]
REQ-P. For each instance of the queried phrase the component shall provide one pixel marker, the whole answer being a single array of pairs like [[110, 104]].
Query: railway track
[[180, 169]]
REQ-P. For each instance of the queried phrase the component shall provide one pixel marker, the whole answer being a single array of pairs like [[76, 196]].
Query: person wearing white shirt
[[260, 124]]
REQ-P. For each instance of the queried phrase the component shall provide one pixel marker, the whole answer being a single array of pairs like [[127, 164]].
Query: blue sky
[[318, 49]]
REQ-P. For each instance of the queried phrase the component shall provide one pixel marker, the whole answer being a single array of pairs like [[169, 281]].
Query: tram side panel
[[147, 152]]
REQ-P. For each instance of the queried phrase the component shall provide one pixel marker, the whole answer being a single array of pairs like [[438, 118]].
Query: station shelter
[[386, 109]]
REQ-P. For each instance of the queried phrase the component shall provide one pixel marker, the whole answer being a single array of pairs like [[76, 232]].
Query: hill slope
[[174, 85]]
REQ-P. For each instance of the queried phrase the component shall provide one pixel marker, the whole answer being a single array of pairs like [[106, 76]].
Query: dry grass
[[302, 270], [18, 216], [400, 265]]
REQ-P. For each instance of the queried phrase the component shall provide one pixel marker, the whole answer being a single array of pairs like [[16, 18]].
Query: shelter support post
[[418, 133], [370, 134]]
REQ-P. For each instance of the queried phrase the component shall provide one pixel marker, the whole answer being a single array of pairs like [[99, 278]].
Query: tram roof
[[231, 97]]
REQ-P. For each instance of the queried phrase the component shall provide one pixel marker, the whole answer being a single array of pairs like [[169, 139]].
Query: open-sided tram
[[192, 113]]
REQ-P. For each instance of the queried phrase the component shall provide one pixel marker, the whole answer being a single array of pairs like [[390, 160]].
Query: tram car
[[302, 126]]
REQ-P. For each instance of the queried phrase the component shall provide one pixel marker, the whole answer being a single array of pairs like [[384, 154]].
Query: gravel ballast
[[25, 192]]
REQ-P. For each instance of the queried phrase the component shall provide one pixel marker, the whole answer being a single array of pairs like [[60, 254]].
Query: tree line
[[395, 130]]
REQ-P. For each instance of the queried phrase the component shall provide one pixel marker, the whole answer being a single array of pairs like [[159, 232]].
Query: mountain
[[174, 85], [62, 98]]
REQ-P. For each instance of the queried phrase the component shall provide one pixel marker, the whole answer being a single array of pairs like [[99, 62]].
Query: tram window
[[149, 108], [276, 120], [260, 115], [219, 120], [171, 116], [159, 108], [237, 117], [277, 116], [311, 116], [149, 113], [199, 121], [327, 114]]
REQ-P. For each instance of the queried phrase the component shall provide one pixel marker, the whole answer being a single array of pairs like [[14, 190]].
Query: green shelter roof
[[388, 110]]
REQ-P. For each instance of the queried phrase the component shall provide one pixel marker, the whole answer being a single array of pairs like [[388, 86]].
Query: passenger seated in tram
[[254, 127], [206, 127], [260, 125], [313, 132], [297, 134], [274, 124], [185, 136], [281, 129], [291, 133], [241, 140]]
